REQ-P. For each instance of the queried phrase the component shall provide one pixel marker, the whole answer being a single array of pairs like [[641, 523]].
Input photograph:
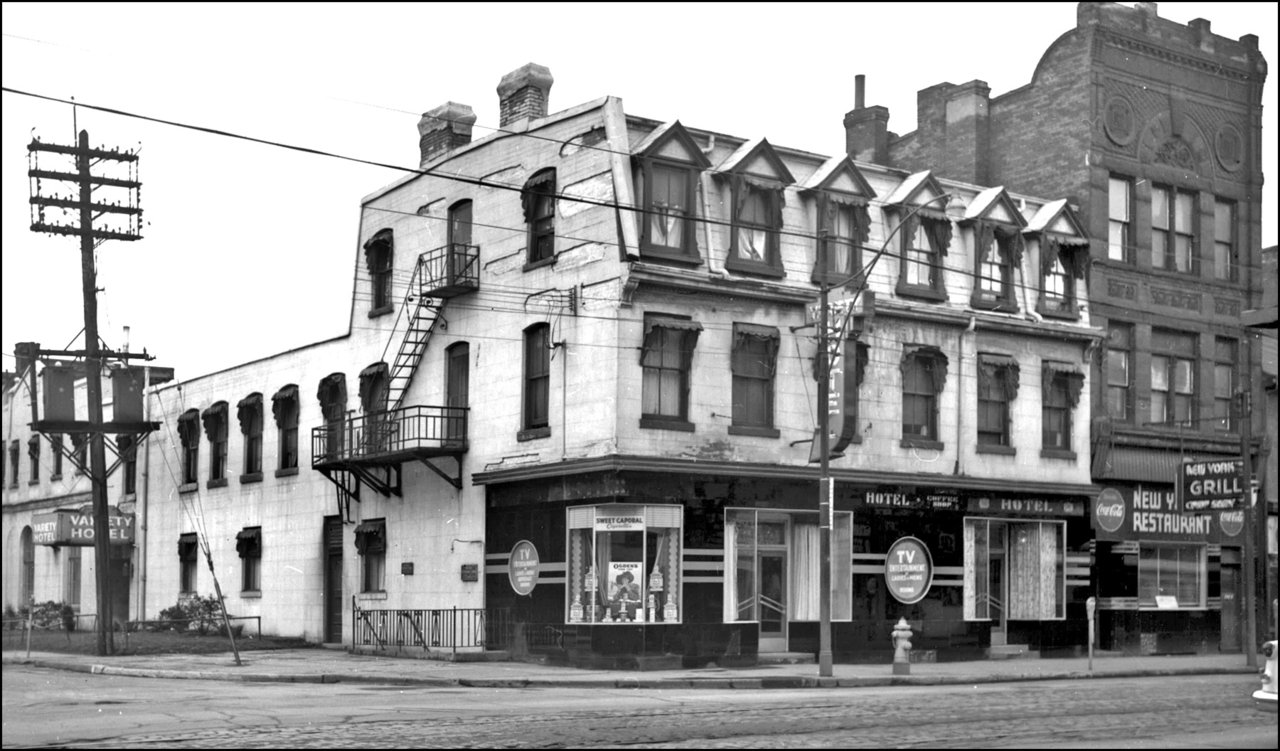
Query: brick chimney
[[866, 129], [968, 132], [444, 129], [523, 94]]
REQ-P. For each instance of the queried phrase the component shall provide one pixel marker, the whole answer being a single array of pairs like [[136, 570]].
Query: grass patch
[[143, 642]]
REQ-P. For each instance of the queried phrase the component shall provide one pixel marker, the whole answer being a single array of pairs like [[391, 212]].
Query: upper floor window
[[757, 178], [1120, 221], [1172, 230], [371, 544], [332, 395], [668, 162], [1173, 378], [1225, 353], [537, 381], [539, 198], [842, 231], [457, 387], [378, 255], [754, 364], [13, 464], [215, 426], [33, 452], [924, 374], [55, 453], [189, 434], [924, 243], [187, 544], [997, 388], [249, 546], [249, 411], [80, 451], [1225, 262], [1119, 369], [1061, 264], [998, 251], [1060, 393], [284, 406], [128, 448], [666, 361], [460, 224]]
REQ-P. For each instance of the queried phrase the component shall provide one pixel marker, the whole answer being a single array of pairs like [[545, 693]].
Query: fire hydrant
[[902, 648]]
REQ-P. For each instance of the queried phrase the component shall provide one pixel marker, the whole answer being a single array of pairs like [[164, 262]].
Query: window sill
[[1062, 315], [754, 268], [987, 448], [188, 487], [35, 481], [379, 595], [287, 472], [995, 306], [921, 293], [55, 477], [759, 432], [381, 311], [1057, 454], [220, 482], [921, 443], [251, 594], [531, 265], [666, 423], [664, 255], [533, 434], [251, 477]]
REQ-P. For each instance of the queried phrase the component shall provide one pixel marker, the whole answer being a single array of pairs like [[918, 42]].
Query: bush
[[46, 615], [194, 613]]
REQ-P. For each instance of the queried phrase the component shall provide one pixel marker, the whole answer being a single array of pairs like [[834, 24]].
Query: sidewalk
[[333, 666]]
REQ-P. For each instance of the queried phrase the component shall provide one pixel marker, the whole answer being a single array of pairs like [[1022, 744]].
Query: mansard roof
[[672, 141], [840, 174], [757, 159]]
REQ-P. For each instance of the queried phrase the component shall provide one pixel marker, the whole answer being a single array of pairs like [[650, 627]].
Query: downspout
[[706, 206], [142, 499], [973, 324]]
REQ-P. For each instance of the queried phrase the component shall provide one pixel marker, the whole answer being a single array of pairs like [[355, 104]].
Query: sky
[[249, 249]]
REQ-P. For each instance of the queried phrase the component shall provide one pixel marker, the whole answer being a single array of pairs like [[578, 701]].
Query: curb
[[637, 683]]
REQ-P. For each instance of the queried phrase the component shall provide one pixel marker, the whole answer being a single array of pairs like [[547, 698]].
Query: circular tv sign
[[523, 567], [908, 570], [1108, 509]]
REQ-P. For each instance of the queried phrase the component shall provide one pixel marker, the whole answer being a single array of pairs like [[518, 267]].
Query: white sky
[[248, 250]]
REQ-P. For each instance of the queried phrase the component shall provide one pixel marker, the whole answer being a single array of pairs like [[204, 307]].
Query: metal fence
[[439, 629], [389, 432]]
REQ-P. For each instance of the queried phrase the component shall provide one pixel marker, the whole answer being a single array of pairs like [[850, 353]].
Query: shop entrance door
[[1231, 640], [998, 586], [332, 579], [773, 600]]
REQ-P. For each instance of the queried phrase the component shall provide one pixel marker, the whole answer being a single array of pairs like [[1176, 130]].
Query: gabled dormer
[[840, 196], [756, 178], [667, 163], [918, 205], [1064, 258], [995, 224]]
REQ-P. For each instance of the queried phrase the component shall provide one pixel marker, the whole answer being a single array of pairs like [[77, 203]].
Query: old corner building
[[572, 416]]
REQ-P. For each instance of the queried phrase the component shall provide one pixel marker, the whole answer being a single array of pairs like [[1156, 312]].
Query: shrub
[[194, 613]]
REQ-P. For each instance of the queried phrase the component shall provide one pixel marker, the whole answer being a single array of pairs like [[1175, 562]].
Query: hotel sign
[[76, 529]]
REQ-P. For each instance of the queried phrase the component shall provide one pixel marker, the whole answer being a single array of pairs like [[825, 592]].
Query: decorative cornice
[[1170, 56]]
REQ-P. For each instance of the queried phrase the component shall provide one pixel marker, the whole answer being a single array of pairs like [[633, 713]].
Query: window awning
[[989, 363], [753, 330], [187, 547], [371, 537], [1074, 378], [215, 421], [283, 396], [333, 386], [678, 324], [249, 412], [249, 542]]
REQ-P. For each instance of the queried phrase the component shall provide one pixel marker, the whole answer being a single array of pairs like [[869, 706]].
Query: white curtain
[[804, 578], [842, 568], [730, 571]]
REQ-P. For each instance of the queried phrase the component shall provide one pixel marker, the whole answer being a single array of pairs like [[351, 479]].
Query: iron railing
[[439, 628], [393, 431], [450, 270]]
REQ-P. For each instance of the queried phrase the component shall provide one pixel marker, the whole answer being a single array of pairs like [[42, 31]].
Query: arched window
[[28, 584], [378, 253], [539, 199]]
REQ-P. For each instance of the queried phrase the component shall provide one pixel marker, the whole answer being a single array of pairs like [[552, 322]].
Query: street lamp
[[826, 483]]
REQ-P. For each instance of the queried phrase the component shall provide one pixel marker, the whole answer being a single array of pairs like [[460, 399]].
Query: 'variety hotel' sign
[[1211, 485], [76, 529]]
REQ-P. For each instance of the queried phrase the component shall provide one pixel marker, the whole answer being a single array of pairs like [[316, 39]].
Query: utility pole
[[825, 481], [1250, 511], [85, 206]]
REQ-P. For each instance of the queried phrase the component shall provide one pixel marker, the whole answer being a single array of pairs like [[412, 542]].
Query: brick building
[[1152, 129]]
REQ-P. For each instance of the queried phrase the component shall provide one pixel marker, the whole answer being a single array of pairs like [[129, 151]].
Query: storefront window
[[1014, 570], [773, 566], [624, 564], [1169, 576]]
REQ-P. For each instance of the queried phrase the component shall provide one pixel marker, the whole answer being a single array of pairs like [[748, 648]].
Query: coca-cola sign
[[1108, 509]]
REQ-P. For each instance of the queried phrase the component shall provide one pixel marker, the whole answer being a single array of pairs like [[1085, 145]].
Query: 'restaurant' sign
[[1211, 486], [1145, 513]]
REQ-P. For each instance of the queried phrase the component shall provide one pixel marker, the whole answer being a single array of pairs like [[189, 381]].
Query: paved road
[[61, 709]]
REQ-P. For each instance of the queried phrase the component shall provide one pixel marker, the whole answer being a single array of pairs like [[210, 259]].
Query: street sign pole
[[824, 472]]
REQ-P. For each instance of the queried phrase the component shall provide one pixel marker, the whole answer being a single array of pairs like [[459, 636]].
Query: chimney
[[444, 129], [966, 155], [523, 94], [866, 129]]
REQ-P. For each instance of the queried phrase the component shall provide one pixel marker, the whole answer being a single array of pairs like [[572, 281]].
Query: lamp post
[[826, 483]]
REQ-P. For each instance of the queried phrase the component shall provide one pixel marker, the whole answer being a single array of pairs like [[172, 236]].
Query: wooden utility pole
[[86, 208]]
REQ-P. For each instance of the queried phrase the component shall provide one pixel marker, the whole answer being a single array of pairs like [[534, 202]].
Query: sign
[[933, 500], [622, 523], [1210, 486], [841, 397], [908, 570], [76, 528], [522, 569], [1026, 506], [1150, 514]]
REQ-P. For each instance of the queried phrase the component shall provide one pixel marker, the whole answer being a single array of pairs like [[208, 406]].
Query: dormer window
[[1064, 256], [668, 161], [378, 253], [924, 235], [996, 225], [757, 178], [840, 199]]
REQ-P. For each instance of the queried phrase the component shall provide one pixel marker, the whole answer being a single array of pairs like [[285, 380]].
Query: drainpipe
[[142, 498], [973, 324]]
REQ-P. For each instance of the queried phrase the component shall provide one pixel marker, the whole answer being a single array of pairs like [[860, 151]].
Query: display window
[[1014, 570], [1171, 577], [624, 564], [773, 567]]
